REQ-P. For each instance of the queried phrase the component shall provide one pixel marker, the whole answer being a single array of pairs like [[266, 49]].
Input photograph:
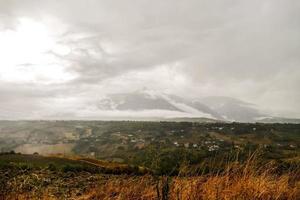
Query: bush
[[25, 166], [52, 167], [72, 168]]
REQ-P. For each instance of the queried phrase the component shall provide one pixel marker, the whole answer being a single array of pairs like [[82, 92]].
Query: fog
[[60, 58]]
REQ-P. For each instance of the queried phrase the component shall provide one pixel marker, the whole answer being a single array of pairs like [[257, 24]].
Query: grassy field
[[149, 160], [38, 177]]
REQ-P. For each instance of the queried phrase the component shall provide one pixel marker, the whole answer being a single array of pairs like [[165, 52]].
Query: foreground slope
[[246, 180]]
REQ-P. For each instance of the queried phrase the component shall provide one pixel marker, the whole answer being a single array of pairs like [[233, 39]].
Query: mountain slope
[[233, 109], [218, 108]]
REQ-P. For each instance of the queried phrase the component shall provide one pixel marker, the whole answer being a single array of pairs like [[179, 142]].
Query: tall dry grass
[[237, 185], [217, 187], [249, 180], [134, 188], [239, 181]]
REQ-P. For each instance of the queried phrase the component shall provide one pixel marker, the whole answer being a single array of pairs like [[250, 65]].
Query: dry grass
[[239, 182], [245, 184], [262, 187], [249, 180], [135, 188]]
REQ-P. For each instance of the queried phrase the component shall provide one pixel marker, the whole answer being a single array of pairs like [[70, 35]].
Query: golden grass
[[135, 188], [249, 180], [224, 187], [239, 182], [241, 185]]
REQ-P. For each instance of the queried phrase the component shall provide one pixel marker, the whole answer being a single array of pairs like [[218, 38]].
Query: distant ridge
[[279, 120], [147, 104]]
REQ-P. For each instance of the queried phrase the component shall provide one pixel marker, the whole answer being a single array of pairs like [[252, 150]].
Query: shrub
[[52, 167]]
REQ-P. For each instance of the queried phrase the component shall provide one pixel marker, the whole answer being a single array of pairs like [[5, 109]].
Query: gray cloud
[[248, 50]]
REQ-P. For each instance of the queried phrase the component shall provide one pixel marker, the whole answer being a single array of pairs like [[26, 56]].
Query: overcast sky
[[60, 57]]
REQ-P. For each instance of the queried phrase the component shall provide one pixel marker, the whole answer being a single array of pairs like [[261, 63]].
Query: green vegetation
[[163, 147], [13, 161]]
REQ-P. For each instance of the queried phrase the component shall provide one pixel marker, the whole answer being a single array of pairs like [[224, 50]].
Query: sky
[[59, 58]]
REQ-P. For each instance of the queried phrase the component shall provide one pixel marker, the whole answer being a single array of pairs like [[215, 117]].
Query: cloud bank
[[59, 58]]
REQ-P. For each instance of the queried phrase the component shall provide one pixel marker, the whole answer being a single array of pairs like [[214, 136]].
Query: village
[[121, 140]]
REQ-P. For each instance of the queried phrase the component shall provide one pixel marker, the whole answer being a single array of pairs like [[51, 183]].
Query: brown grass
[[239, 182], [142, 188], [235, 187], [244, 183]]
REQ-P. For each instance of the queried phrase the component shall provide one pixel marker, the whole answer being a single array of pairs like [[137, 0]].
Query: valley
[[142, 143]]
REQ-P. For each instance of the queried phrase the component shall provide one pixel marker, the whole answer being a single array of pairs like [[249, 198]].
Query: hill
[[149, 160], [245, 180], [148, 104], [65, 164]]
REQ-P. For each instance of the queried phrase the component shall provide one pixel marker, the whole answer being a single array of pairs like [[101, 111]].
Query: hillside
[[148, 104], [141, 142], [58, 178], [149, 159], [66, 164]]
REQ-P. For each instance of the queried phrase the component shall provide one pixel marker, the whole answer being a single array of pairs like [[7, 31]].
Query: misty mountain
[[279, 120], [218, 108], [233, 109], [136, 101]]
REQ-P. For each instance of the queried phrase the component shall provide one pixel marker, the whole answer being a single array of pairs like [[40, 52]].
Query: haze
[[59, 59]]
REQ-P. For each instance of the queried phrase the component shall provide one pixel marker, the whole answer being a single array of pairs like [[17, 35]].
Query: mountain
[[233, 109], [279, 120], [142, 101], [136, 101], [162, 105]]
